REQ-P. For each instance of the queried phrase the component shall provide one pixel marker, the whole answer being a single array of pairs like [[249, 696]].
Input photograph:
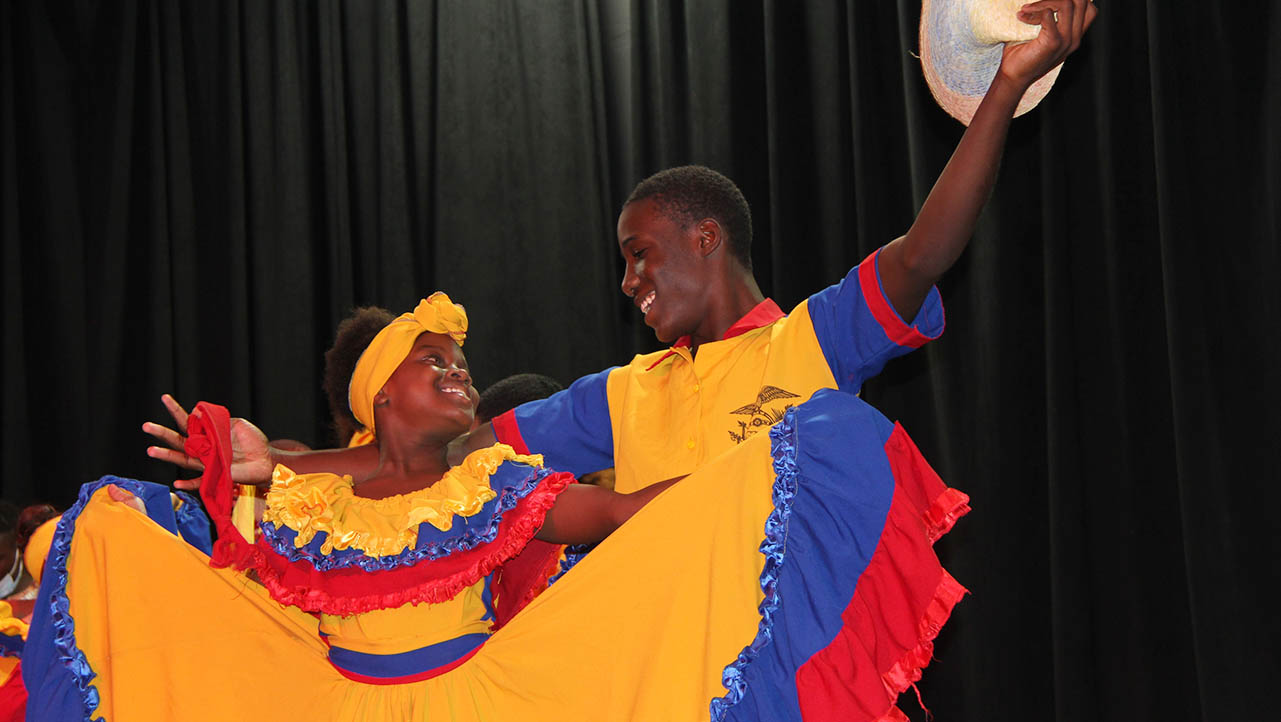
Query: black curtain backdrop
[[194, 193]]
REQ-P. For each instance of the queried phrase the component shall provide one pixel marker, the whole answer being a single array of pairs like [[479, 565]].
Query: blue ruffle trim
[[11, 645], [64, 627], [193, 523], [430, 545], [574, 553], [774, 547]]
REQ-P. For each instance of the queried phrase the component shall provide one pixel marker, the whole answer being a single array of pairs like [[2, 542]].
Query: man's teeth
[[455, 390], [647, 302]]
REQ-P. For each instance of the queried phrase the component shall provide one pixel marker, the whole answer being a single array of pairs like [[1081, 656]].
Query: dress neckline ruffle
[[310, 504]]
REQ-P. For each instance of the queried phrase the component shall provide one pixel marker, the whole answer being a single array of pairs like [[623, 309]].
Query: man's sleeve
[[570, 428], [859, 330]]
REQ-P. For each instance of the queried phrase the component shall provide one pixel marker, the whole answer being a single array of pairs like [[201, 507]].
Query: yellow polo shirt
[[667, 413]]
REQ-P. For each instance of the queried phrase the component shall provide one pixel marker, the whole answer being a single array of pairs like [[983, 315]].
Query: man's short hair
[[689, 193]]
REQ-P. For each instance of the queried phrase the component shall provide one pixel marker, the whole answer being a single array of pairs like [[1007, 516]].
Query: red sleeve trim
[[507, 431], [884, 313]]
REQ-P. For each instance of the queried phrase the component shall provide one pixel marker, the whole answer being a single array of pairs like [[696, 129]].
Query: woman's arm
[[585, 514], [253, 457]]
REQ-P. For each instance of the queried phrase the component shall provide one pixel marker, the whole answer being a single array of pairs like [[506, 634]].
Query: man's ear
[[380, 398], [710, 236]]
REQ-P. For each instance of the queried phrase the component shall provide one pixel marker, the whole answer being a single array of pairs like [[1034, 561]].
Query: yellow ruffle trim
[[10, 625], [312, 503]]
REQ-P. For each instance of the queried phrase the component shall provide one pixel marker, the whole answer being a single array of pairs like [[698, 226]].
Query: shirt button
[[689, 444]]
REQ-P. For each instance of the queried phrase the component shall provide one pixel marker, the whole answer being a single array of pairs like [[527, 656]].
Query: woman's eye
[[638, 254]]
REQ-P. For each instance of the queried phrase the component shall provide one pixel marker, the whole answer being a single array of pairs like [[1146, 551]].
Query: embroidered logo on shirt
[[764, 413]]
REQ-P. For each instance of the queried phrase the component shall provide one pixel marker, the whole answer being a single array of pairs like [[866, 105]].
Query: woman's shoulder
[[501, 466]]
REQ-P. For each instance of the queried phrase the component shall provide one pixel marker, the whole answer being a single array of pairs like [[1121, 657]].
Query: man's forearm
[[913, 263]]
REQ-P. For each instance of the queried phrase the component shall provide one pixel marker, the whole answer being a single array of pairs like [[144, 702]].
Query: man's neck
[[735, 301]]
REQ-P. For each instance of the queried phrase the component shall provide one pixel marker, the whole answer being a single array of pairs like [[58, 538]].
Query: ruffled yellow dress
[[779, 582]]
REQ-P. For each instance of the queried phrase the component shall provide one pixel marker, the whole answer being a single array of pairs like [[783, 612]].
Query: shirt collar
[[763, 314]]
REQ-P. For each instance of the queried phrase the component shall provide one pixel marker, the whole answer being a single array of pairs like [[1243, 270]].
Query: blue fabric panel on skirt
[[193, 523], [54, 669], [844, 487], [190, 522], [405, 664]]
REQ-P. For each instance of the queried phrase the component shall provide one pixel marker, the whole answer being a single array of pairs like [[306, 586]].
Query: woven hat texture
[[961, 46]]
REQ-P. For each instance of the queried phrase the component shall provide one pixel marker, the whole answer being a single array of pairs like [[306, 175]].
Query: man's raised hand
[[1062, 22]]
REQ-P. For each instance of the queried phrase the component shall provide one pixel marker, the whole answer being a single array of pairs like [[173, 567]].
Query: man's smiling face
[[665, 274]]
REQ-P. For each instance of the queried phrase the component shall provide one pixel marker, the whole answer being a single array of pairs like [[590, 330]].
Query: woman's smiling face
[[431, 389]]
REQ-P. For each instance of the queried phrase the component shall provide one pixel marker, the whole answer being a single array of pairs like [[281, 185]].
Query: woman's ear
[[380, 398]]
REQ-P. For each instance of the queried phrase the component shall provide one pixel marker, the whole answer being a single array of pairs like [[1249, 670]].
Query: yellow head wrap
[[38, 547], [436, 313]]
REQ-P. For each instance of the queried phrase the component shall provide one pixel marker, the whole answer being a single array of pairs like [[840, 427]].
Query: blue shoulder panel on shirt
[[571, 428], [854, 343]]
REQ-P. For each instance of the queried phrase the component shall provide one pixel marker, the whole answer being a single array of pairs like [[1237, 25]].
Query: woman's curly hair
[[350, 340]]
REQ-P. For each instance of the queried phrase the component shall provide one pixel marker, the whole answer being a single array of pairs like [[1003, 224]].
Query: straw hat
[[961, 46]]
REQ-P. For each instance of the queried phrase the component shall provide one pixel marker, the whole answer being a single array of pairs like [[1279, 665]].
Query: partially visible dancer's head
[[34, 533], [10, 554], [17, 527], [512, 391]]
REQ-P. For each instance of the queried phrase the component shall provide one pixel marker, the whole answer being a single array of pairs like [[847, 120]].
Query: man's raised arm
[[911, 264]]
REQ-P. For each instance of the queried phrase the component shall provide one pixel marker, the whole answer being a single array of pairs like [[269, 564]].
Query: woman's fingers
[[125, 497], [165, 435], [178, 413], [187, 484], [175, 457]]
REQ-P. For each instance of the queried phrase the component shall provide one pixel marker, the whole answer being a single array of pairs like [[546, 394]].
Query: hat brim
[[959, 68]]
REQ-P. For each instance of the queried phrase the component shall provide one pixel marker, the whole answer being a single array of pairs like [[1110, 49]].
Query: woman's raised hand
[[250, 456]]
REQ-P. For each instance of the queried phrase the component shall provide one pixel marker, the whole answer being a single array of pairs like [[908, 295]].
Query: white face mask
[[9, 583]]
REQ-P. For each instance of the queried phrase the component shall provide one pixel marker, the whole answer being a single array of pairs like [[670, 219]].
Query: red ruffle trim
[[351, 590], [907, 671], [522, 578], [209, 439], [903, 598]]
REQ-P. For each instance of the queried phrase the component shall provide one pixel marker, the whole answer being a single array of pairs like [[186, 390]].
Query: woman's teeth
[[456, 391]]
